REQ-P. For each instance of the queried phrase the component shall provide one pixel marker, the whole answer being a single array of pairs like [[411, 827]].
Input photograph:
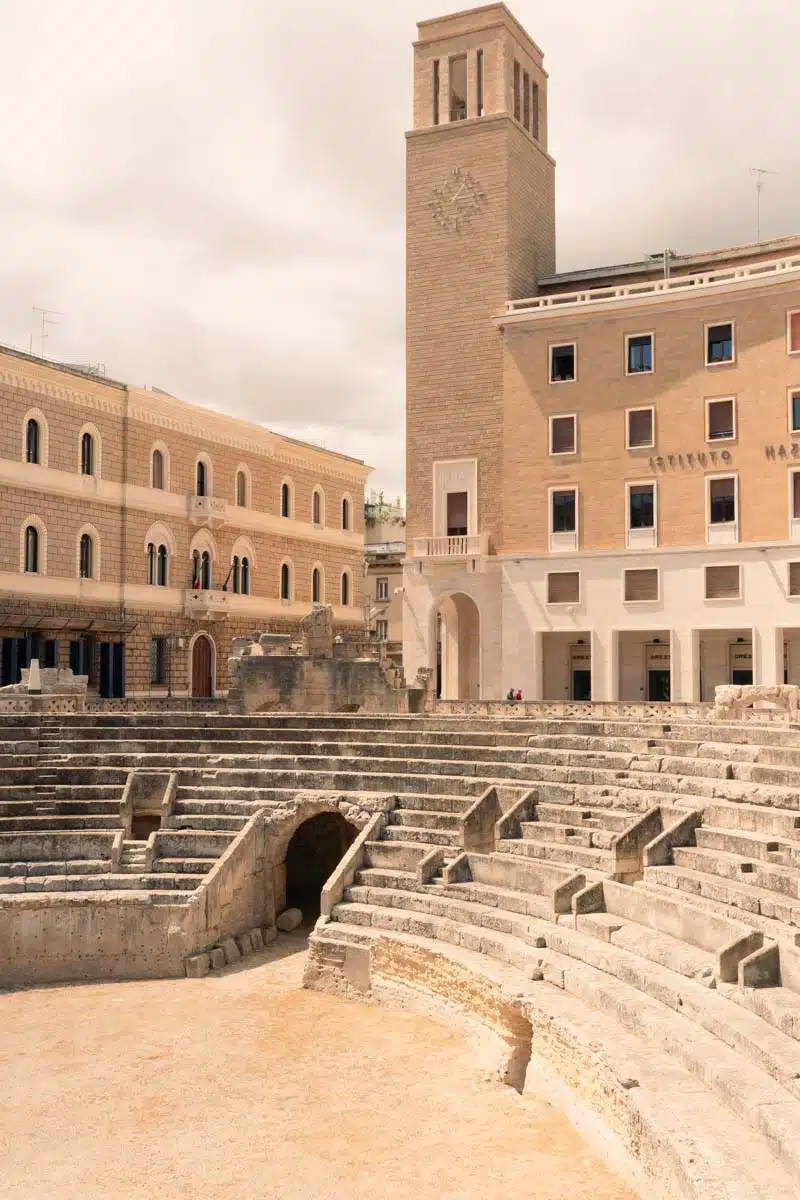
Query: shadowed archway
[[314, 851]]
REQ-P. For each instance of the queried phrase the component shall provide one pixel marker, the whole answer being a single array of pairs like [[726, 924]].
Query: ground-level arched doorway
[[203, 654], [458, 648], [314, 851]]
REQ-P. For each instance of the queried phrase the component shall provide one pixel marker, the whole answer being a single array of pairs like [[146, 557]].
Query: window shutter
[[722, 583], [641, 585], [563, 587], [794, 579]]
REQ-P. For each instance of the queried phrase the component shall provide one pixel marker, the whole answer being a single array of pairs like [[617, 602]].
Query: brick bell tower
[[480, 230]]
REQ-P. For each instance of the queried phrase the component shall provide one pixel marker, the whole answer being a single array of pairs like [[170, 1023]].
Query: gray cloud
[[214, 198]]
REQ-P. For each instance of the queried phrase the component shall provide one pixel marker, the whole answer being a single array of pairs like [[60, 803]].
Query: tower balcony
[[461, 546], [205, 604], [206, 510]]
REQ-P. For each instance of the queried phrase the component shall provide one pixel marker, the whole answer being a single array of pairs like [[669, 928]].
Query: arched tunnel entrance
[[313, 853]]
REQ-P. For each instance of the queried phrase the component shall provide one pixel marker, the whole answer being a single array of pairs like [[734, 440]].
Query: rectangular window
[[458, 88], [382, 630], [436, 91], [535, 110], [719, 344], [640, 428], [794, 411], [722, 500], [457, 514], [721, 417], [526, 100], [641, 506], [641, 585], [722, 583], [563, 587], [563, 435], [479, 83], [382, 589], [564, 511], [562, 363], [517, 90], [639, 354], [794, 579], [158, 660], [793, 331]]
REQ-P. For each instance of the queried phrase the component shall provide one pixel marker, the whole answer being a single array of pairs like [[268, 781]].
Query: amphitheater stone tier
[[615, 903]]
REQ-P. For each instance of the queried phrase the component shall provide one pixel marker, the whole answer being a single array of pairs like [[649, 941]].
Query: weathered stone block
[[217, 958], [245, 945], [269, 934], [198, 965], [256, 940], [231, 951], [289, 919]]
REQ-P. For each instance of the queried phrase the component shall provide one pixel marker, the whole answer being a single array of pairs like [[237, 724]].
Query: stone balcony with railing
[[206, 604], [461, 546], [206, 510], [726, 279]]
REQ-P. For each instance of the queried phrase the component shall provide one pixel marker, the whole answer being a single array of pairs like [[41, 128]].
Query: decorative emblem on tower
[[456, 201]]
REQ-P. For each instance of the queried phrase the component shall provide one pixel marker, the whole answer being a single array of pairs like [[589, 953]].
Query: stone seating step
[[681, 1015], [202, 822], [779, 776], [704, 1143], [753, 818], [429, 837], [728, 893], [176, 866], [775, 930], [525, 903], [558, 852], [82, 866], [425, 818], [749, 846], [396, 855], [100, 823], [176, 882], [585, 818], [540, 831], [751, 872]]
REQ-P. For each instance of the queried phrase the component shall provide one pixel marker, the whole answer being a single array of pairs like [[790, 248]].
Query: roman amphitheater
[[595, 905]]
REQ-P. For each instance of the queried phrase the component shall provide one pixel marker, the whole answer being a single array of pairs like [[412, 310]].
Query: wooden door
[[201, 667]]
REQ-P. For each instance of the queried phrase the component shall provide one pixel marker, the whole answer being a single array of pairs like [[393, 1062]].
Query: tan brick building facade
[[604, 465], [133, 519]]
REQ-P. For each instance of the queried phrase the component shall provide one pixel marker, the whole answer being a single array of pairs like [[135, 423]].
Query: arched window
[[86, 557], [151, 563], [345, 589], [31, 550], [345, 513], [316, 508], [201, 478], [33, 442], [286, 501], [241, 489], [162, 568], [316, 586], [158, 470], [195, 568], [286, 582], [205, 570], [245, 576], [87, 454], [235, 574]]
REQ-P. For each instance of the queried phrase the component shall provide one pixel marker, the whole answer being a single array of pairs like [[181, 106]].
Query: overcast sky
[[214, 199]]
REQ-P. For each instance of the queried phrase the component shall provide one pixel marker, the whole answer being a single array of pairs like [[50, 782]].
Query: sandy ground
[[244, 1085]]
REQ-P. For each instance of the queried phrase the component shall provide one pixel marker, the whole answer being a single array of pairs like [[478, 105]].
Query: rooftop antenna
[[759, 173], [49, 317]]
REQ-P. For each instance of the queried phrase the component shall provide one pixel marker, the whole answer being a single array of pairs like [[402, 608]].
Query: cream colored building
[[384, 551], [141, 533], [603, 465]]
